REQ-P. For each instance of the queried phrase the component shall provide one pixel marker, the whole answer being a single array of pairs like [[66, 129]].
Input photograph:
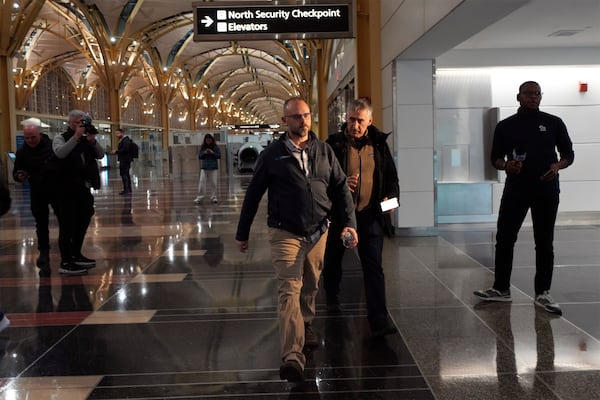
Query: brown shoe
[[311, 339], [291, 371]]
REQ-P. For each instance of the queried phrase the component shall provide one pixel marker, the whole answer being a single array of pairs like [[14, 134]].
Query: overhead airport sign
[[229, 20]]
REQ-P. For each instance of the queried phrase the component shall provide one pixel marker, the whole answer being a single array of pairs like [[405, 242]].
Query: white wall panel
[[583, 122], [416, 210], [414, 139], [585, 167], [415, 125], [579, 196], [415, 169], [414, 82]]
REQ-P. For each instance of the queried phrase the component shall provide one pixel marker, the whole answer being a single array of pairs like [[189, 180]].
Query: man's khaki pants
[[298, 265]]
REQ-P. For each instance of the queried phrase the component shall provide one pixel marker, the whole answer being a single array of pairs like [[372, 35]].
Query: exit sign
[[218, 21]]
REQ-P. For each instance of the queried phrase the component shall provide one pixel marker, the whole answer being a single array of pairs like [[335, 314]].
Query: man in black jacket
[[365, 156], [525, 146], [304, 180], [123, 153], [30, 164], [76, 169]]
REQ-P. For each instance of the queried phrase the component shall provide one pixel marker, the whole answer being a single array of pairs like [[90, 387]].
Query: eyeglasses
[[532, 93], [298, 117]]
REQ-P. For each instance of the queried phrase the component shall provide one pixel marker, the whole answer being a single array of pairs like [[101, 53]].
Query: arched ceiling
[[145, 48]]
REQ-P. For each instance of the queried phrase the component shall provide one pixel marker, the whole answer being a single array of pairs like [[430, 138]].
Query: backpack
[[134, 150]]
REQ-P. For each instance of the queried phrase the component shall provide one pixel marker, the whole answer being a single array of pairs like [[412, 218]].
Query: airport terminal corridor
[[174, 311]]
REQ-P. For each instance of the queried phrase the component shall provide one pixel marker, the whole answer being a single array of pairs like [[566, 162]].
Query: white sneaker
[[198, 199], [547, 303], [492, 294], [214, 200]]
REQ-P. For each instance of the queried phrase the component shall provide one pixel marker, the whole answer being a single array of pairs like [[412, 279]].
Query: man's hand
[[352, 182], [242, 245], [22, 175], [79, 132], [513, 167], [352, 231], [551, 173]]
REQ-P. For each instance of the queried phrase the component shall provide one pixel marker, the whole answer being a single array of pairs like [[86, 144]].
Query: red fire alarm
[[582, 87]]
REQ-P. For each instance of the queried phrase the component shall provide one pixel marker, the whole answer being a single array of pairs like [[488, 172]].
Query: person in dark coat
[[75, 173], [30, 165], [303, 180], [123, 153], [525, 146], [366, 159]]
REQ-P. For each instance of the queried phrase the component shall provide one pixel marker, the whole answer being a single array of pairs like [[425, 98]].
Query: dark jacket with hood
[[33, 161], [297, 203], [385, 179]]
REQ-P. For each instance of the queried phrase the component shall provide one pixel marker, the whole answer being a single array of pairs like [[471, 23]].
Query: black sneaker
[[43, 259], [291, 371], [382, 327], [44, 272], [333, 305], [82, 261], [69, 268]]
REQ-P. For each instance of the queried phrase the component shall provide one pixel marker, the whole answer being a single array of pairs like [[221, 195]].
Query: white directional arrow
[[207, 21]]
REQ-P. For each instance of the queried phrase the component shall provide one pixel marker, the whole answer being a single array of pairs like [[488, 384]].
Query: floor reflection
[[173, 310]]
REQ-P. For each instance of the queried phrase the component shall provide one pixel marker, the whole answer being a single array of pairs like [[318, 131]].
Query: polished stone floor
[[174, 311]]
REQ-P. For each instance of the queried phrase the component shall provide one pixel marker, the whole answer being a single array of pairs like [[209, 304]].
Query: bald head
[[32, 135]]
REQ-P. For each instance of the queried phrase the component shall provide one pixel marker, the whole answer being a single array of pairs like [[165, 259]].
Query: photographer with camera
[[76, 171]]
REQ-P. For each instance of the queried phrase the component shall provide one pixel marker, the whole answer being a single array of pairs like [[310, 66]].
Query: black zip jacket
[[124, 150], [79, 167], [385, 181], [33, 161], [297, 203]]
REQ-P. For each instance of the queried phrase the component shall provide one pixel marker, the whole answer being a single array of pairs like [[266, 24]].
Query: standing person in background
[[525, 145], [76, 169], [123, 153], [365, 157], [209, 156], [4, 207], [30, 163], [303, 180]]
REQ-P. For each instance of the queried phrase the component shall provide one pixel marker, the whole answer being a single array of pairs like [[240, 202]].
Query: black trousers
[[124, 167], [76, 207], [41, 199], [513, 209], [370, 247]]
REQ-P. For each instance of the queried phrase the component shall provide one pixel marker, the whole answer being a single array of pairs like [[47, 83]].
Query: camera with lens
[[89, 128]]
